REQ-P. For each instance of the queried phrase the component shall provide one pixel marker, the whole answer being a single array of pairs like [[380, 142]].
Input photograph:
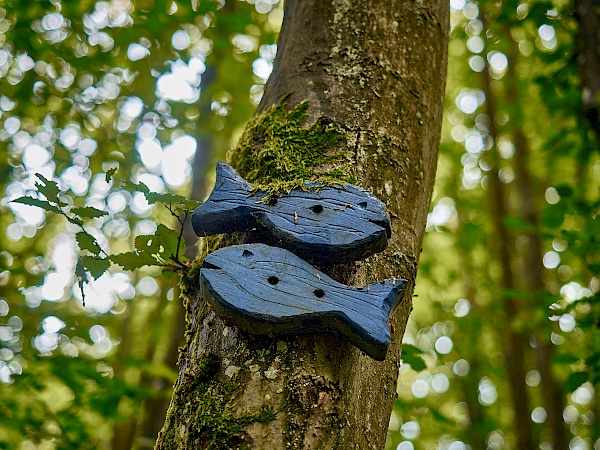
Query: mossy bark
[[373, 73]]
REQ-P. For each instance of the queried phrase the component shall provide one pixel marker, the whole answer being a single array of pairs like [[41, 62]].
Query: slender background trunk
[[378, 72]]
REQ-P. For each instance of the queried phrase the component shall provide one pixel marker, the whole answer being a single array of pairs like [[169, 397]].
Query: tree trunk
[[587, 44], [377, 72], [515, 342]]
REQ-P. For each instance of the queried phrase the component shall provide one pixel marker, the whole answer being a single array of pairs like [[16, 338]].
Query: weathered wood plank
[[331, 224], [265, 290]]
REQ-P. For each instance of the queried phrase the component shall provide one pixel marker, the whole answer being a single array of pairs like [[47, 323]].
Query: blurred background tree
[[508, 307]]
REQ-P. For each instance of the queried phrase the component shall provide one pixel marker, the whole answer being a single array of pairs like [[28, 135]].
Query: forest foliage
[[503, 345]]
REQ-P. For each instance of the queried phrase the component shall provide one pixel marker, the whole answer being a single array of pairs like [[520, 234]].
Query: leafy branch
[[163, 248]]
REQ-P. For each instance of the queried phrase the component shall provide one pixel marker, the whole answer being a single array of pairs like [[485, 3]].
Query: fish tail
[[227, 180], [369, 325], [226, 209]]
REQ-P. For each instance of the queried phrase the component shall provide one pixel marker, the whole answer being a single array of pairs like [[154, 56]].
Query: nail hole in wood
[[319, 293], [247, 254], [317, 208], [362, 205], [273, 280]]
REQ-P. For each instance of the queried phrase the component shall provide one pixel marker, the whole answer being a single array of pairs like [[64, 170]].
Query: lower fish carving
[[266, 290]]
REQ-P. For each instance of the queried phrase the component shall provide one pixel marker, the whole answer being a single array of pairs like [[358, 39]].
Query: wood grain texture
[[333, 224], [269, 290]]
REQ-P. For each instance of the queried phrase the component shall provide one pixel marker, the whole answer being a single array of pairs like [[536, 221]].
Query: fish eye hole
[[317, 208], [362, 205], [247, 254], [319, 293], [273, 280]]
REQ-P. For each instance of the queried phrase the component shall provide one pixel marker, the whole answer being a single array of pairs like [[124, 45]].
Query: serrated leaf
[[147, 243], [168, 240], [110, 173], [133, 260], [574, 380], [48, 188], [412, 355], [95, 266], [44, 204], [192, 204], [168, 199], [136, 187], [82, 277], [75, 221], [89, 212], [87, 242]]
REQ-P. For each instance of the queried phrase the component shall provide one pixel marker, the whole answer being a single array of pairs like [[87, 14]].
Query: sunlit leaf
[[87, 242], [147, 243], [82, 277], [89, 212], [44, 204], [412, 355], [49, 189], [96, 266], [155, 197], [110, 173], [133, 260]]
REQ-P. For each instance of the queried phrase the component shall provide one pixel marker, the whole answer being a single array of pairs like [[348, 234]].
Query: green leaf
[[136, 187], [49, 189], [192, 204], [89, 212], [439, 417], [87, 242], [155, 197], [168, 240], [75, 221], [593, 359], [110, 173], [82, 277], [412, 355], [44, 204], [574, 380], [409, 349], [96, 266], [133, 260], [147, 243], [553, 215], [517, 223], [565, 358], [564, 190], [168, 274]]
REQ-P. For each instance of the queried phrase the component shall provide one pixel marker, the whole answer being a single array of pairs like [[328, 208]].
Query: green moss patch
[[208, 411], [276, 153]]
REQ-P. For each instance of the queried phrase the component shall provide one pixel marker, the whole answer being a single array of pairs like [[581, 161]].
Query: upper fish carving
[[331, 224]]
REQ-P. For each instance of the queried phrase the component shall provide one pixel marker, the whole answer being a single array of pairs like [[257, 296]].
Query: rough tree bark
[[376, 70], [587, 43]]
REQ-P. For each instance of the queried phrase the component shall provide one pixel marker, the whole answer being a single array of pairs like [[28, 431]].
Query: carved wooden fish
[[331, 224], [265, 290]]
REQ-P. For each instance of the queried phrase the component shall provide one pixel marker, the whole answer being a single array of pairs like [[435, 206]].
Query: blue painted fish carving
[[331, 224], [265, 290]]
